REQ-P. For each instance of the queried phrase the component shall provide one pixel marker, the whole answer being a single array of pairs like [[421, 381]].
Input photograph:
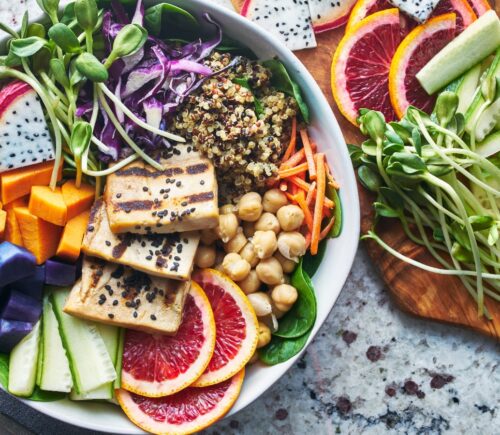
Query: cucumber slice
[[111, 337], [23, 364], [490, 146], [119, 359], [56, 375], [488, 120], [90, 363], [467, 88], [469, 48], [39, 365]]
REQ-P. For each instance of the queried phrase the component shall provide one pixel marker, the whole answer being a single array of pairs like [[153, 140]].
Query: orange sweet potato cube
[[77, 200], [72, 237], [48, 205]]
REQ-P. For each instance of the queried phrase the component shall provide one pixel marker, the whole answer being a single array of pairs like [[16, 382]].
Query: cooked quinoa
[[221, 121]]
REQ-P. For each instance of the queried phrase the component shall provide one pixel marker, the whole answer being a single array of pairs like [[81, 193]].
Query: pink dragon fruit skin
[[288, 20], [328, 14], [24, 135]]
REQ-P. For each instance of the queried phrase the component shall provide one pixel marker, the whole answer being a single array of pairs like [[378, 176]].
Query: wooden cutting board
[[417, 292]]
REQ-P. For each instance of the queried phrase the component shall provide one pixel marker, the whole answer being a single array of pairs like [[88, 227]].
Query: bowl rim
[[351, 229]]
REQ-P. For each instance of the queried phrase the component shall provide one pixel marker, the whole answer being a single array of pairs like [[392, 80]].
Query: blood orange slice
[[465, 14], [420, 46], [235, 323], [363, 8], [160, 365], [480, 6], [361, 63], [186, 412]]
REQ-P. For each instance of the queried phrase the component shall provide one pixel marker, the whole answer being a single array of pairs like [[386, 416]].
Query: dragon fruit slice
[[288, 20], [419, 11], [327, 14], [25, 137]]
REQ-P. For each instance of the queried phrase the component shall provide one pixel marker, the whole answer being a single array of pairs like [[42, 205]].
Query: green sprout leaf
[[446, 107], [86, 14], [89, 66], [65, 38], [57, 68], [27, 47], [51, 8], [369, 178], [129, 40], [80, 141]]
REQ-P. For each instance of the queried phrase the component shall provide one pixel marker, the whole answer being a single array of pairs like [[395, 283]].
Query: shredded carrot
[[293, 141], [308, 239], [290, 172], [301, 202], [320, 200], [327, 229], [297, 158], [311, 193], [304, 185], [309, 154]]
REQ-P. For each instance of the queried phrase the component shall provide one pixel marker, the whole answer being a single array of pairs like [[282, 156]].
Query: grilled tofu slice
[[164, 255], [118, 295], [181, 197]]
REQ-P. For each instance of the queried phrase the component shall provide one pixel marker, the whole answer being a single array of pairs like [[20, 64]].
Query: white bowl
[[335, 267]]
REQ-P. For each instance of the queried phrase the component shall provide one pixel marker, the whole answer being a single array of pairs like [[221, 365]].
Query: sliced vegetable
[[319, 204], [488, 120], [466, 88], [302, 315], [3, 223], [23, 364], [15, 263], [39, 237], [48, 204], [490, 146], [90, 363], [71, 240], [18, 183], [22, 308], [77, 200], [12, 332], [54, 369], [59, 274], [12, 230], [311, 164], [338, 215]]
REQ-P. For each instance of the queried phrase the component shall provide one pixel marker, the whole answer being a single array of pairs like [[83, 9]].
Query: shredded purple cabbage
[[152, 83]]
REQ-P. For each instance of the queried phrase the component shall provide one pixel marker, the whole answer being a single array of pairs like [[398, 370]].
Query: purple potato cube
[[31, 285], [12, 332], [15, 263], [22, 308], [59, 274]]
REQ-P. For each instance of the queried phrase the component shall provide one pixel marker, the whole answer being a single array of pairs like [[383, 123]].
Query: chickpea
[[265, 243], [284, 296], [228, 227], [292, 245], [261, 303], [277, 313], [290, 217], [236, 268], [251, 283], [226, 209], [287, 265], [264, 335], [270, 271], [237, 243], [249, 254], [268, 222], [248, 228], [208, 236], [250, 207], [205, 256], [273, 200]]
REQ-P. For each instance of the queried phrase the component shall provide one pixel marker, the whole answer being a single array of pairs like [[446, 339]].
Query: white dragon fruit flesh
[[24, 135], [418, 10], [288, 20], [327, 14]]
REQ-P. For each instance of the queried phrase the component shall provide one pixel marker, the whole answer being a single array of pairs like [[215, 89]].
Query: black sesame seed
[[153, 317], [115, 302], [111, 316], [135, 314]]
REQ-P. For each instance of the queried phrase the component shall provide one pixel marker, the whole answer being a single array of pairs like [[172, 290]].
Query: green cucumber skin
[[474, 44], [467, 88], [119, 359], [489, 146], [488, 120], [22, 384]]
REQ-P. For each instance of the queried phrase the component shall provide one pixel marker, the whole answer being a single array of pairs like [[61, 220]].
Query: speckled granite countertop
[[370, 370]]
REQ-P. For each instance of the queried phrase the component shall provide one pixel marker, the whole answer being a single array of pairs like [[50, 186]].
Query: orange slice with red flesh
[[480, 6], [360, 67], [157, 365], [363, 8], [186, 412], [418, 47], [235, 323]]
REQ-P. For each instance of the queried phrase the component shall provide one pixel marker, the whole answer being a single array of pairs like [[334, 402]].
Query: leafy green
[[168, 20], [282, 81], [311, 263], [4, 370], [302, 315], [243, 81], [281, 349]]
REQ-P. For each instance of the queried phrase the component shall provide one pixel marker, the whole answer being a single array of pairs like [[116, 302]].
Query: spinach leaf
[[302, 315], [259, 108], [282, 81], [229, 45], [4, 370], [282, 349], [167, 20], [311, 263]]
